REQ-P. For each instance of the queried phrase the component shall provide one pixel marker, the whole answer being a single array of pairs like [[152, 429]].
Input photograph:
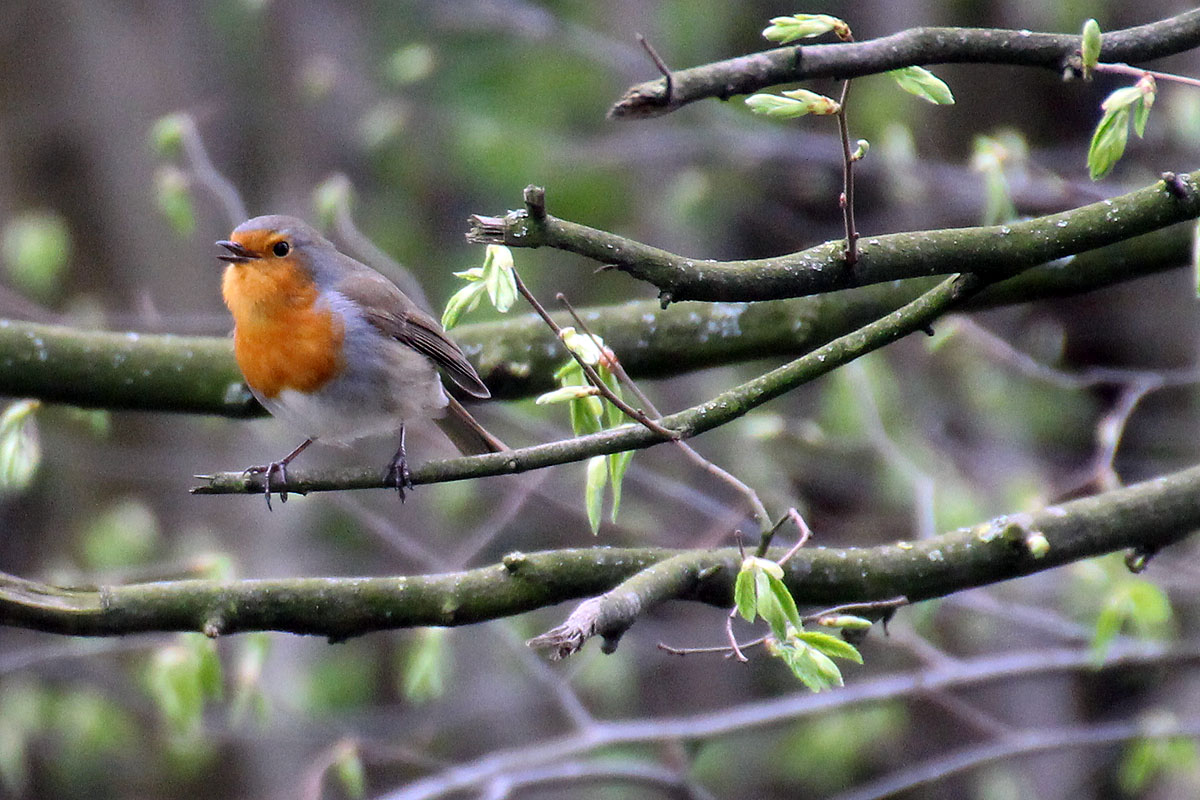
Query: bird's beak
[[238, 254]]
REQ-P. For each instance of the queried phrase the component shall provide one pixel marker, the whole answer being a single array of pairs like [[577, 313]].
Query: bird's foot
[[398, 475], [267, 470]]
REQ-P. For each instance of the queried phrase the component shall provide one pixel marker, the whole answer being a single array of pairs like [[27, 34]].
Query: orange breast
[[282, 339]]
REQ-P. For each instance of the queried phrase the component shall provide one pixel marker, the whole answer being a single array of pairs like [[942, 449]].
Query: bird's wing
[[395, 315]]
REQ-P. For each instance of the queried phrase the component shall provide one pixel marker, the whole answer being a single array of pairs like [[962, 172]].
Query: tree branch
[[1147, 516], [517, 357], [100, 369], [723, 408], [914, 47], [993, 252]]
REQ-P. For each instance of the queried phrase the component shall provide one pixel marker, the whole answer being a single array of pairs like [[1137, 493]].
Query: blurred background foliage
[[438, 110]]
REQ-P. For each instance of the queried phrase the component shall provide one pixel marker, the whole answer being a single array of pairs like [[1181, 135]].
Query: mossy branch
[[914, 47], [992, 252], [517, 357], [1146, 517]]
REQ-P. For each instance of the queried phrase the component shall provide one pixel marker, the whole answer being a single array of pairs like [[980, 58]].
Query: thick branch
[[918, 46], [727, 406], [1147, 516], [994, 252], [517, 357], [122, 370]]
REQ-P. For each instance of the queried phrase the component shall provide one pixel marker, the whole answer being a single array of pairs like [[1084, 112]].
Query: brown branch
[[914, 47]]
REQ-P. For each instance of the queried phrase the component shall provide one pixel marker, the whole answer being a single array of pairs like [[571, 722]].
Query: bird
[[336, 350]]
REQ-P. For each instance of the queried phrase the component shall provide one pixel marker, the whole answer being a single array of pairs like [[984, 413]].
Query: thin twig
[[849, 608], [761, 516], [590, 371], [794, 515], [725, 649], [221, 187], [658, 62], [733, 643], [847, 179], [1111, 429], [1137, 72], [367, 250]]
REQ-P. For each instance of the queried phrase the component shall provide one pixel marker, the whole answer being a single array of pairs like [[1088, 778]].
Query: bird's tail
[[468, 435]]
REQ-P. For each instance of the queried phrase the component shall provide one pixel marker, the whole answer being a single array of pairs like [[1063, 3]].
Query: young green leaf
[[20, 446], [565, 394], [123, 534], [831, 646], [813, 669], [1122, 98], [248, 695], [498, 277], [461, 302], [803, 26], [743, 592], [924, 84], [988, 157], [426, 666], [816, 103], [208, 665], [769, 607], [613, 416], [166, 134], [777, 107], [597, 478], [587, 347], [1157, 753], [36, 247], [1090, 47], [174, 681], [1108, 142], [784, 598], [828, 670], [173, 195], [329, 197], [585, 415], [847, 621], [617, 464], [1141, 109]]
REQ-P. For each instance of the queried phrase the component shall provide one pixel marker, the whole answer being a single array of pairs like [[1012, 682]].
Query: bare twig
[[210, 177], [367, 250], [658, 62], [794, 516], [853, 608], [733, 642], [847, 198], [728, 651], [1137, 72]]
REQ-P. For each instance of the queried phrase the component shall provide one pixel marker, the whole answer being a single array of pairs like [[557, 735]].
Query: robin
[[337, 350]]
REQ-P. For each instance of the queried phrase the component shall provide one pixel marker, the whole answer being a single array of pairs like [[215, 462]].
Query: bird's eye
[[281, 249]]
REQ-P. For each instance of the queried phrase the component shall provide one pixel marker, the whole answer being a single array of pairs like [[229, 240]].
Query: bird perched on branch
[[336, 350]]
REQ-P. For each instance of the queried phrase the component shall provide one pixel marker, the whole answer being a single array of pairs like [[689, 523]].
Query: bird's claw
[[267, 470], [399, 476]]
